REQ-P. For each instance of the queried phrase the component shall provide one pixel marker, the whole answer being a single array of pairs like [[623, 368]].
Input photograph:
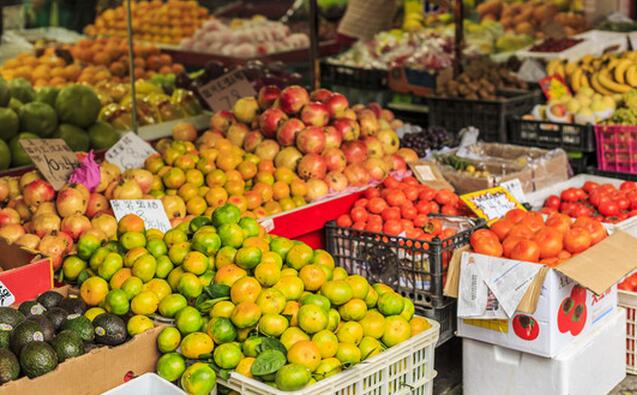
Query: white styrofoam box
[[628, 300], [593, 364], [604, 40], [536, 199], [148, 384], [595, 42]]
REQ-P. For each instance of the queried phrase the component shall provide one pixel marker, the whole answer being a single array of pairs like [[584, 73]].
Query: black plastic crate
[[489, 116], [547, 134], [354, 77], [581, 162], [415, 268], [446, 317]]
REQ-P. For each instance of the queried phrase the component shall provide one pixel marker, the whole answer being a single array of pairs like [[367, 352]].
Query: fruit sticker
[[571, 316], [526, 327]]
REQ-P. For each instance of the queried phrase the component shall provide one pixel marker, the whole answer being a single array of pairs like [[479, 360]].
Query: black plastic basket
[[446, 317], [581, 162], [547, 134], [416, 268], [353, 77], [489, 116]]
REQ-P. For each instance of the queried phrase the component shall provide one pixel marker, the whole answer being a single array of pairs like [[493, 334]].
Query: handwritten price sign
[[151, 211], [220, 94], [129, 152], [53, 158], [491, 204]]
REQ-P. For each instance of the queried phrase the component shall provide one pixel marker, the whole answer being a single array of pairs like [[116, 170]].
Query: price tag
[[424, 173], [129, 152], [6, 297], [151, 211], [220, 94], [53, 158], [491, 204], [514, 187]]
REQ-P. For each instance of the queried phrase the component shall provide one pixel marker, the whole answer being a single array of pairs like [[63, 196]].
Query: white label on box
[[6, 297], [514, 187], [151, 211], [425, 173], [492, 287], [129, 152]]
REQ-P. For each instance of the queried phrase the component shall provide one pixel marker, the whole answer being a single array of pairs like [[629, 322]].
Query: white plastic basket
[[407, 368], [628, 300]]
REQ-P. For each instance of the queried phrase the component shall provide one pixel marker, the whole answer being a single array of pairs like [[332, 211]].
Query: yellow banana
[[576, 79], [620, 70], [570, 68], [586, 59], [632, 55], [604, 80], [597, 87], [560, 70], [631, 76], [552, 66], [584, 81]]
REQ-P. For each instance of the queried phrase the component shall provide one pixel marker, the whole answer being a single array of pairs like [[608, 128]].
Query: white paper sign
[[514, 187], [425, 173], [6, 297], [151, 211], [129, 152], [492, 287]]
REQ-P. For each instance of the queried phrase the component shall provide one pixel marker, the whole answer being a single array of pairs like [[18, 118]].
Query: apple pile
[[317, 135], [397, 207]]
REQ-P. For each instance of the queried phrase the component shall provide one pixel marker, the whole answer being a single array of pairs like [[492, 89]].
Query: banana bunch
[[607, 74]]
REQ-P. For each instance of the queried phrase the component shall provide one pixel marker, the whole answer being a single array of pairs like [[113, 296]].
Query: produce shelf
[[547, 134]]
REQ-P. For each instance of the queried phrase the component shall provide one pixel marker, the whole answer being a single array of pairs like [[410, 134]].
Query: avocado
[[4, 339], [57, 316], [73, 305], [50, 299], [25, 333], [80, 325], [109, 329], [48, 329], [38, 358], [67, 344], [9, 366], [30, 308], [9, 318]]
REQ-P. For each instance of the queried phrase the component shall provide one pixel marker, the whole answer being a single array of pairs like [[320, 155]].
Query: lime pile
[[242, 300]]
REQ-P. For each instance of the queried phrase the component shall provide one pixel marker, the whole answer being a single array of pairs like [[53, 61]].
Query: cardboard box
[[95, 372], [539, 293], [535, 168], [24, 275]]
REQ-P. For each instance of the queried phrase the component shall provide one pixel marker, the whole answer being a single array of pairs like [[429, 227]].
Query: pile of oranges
[[153, 21], [46, 70], [526, 236]]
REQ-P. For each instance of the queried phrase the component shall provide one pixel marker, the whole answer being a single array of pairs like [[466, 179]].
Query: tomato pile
[[603, 202], [396, 206], [525, 236], [629, 284]]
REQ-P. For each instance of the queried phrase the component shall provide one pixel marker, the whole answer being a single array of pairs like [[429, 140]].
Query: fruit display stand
[[306, 223], [407, 368]]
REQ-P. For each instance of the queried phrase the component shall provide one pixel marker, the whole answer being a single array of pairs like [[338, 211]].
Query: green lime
[[188, 320], [248, 257], [171, 366], [168, 339]]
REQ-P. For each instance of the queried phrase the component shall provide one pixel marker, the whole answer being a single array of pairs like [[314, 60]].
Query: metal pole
[[458, 14], [131, 65], [315, 70]]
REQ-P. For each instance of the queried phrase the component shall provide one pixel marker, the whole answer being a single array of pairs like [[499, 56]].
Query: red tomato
[[410, 180], [372, 193], [344, 221], [374, 218], [427, 194], [608, 188], [391, 182], [411, 193], [608, 208], [376, 205], [449, 210], [445, 196], [390, 213], [374, 227], [397, 198], [580, 194], [577, 240], [359, 214], [408, 211], [393, 227], [526, 250], [581, 211], [623, 203], [434, 208], [553, 202], [361, 203], [423, 207], [358, 225], [628, 186], [569, 195], [589, 186], [406, 223]]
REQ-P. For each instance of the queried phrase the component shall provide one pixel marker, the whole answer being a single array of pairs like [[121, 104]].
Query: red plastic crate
[[617, 148]]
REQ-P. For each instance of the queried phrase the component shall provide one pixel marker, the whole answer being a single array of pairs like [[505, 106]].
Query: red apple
[[252, 140], [221, 121], [334, 159], [336, 105], [315, 114], [369, 123], [268, 95], [312, 166], [311, 140], [333, 137], [270, 121], [321, 95], [286, 134], [349, 129], [355, 151], [293, 99]]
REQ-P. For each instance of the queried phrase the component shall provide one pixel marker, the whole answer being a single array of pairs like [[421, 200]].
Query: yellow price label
[[491, 204]]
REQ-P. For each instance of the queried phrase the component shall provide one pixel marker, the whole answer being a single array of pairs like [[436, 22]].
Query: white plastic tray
[[595, 43]]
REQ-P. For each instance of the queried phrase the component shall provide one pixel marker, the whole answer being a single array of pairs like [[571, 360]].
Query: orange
[[93, 291], [305, 353]]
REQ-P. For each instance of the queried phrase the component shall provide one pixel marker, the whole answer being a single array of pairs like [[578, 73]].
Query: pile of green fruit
[[42, 333], [242, 300], [69, 113]]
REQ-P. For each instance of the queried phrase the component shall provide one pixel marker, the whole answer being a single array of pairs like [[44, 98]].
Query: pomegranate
[[376, 109], [237, 133], [154, 163], [321, 95], [336, 181], [355, 151], [110, 189], [21, 207], [12, 232], [28, 178], [293, 98], [252, 141], [408, 154], [374, 147], [106, 223], [288, 157], [4, 189], [37, 192], [83, 190], [333, 137], [184, 132], [397, 162], [245, 109], [268, 95], [9, 216], [96, 204], [53, 247], [45, 224], [143, 178], [75, 225], [128, 189], [286, 134], [209, 138], [45, 208], [267, 149], [108, 173], [368, 123], [312, 166], [95, 232], [349, 128], [356, 175], [336, 105], [68, 241], [334, 159], [311, 140], [221, 121], [270, 121], [174, 206], [316, 189], [29, 241], [315, 114], [376, 168], [389, 140]]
